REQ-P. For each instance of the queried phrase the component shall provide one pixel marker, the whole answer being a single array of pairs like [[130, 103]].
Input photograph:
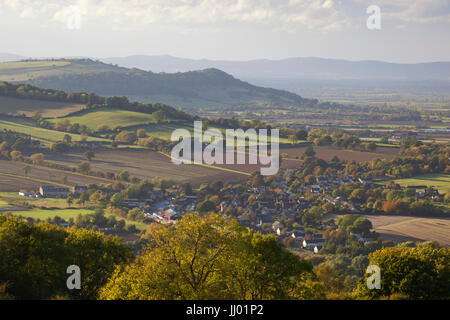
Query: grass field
[[439, 181], [41, 133], [13, 197], [66, 214], [111, 117], [403, 229]]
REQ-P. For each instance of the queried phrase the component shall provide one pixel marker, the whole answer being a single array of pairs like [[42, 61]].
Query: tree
[[117, 199], [26, 170], [69, 199], [126, 137], [89, 155], [16, 156], [59, 147], [206, 206], [141, 133], [416, 273], [211, 258], [35, 259], [301, 134], [84, 167], [309, 152], [37, 158], [67, 138]]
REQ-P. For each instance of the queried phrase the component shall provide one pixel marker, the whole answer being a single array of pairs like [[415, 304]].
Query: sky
[[410, 31]]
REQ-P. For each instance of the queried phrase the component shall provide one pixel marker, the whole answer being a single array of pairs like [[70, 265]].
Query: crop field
[[12, 177], [16, 183], [411, 228], [28, 107], [41, 133], [439, 181], [147, 164], [327, 153], [111, 117]]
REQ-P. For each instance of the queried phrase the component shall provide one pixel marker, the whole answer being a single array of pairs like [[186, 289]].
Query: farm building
[[53, 192]]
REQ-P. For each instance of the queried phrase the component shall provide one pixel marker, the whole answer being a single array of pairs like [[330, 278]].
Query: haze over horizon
[[412, 31]]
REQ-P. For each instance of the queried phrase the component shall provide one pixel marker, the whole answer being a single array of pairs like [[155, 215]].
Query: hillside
[[336, 80], [209, 87]]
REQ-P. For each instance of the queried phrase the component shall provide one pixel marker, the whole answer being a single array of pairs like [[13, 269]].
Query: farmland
[[41, 133], [29, 107], [412, 229], [146, 164], [327, 153], [66, 214], [111, 117], [12, 177], [439, 181]]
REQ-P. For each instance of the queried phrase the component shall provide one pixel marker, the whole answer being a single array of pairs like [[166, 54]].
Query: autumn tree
[[211, 258]]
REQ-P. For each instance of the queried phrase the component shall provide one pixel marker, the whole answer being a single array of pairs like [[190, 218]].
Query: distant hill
[[4, 57], [325, 79], [298, 68], [209, 87]]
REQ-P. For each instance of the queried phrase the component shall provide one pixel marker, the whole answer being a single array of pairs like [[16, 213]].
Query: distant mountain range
[[294, 68]]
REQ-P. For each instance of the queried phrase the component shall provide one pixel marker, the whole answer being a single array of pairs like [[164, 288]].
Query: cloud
[[421, 11], [286, 14]]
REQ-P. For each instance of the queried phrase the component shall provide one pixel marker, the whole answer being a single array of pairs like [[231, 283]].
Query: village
[[270, 209]]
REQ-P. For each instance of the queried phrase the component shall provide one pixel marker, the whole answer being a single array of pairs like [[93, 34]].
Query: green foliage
[[416, 273], [35, 258], [211, 258]]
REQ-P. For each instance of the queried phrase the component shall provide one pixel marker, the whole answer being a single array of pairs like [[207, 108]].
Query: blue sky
[[411, 30]]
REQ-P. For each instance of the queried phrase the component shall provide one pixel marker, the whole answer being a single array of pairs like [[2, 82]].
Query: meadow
[[111, 117], [41, 133], [439, 181], [66, 214]]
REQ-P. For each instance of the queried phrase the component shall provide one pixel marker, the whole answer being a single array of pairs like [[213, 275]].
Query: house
[[170, 214], [54, 192], [277, 225]]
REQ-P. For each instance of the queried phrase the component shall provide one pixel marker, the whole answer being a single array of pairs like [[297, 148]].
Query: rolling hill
[[293, 68], [209, 87]]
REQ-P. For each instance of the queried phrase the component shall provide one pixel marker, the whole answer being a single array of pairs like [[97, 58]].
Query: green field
[[439, 181], [14, 198], [41, 133], [111, 117], [66, 214], [44, 214]]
